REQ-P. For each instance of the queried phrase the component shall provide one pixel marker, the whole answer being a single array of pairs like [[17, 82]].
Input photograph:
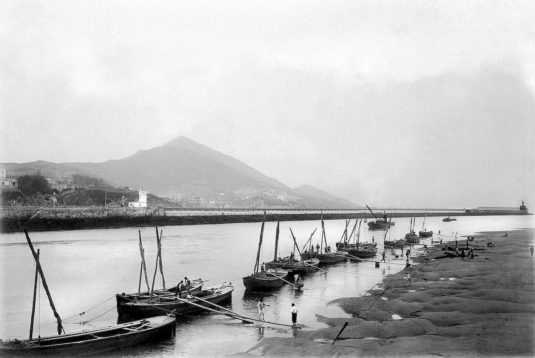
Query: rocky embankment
[[443, 306]]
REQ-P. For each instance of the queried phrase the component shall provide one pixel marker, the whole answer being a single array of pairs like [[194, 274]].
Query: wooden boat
[[411, 237], [448, 219], [355, 249], [267, 280], [290, 264], [179, 306], [424, 232], [325, 256], [295, 266], [264, 280], [379, 224], [395, 243], [93, 341], [194, 287], [96, 341]]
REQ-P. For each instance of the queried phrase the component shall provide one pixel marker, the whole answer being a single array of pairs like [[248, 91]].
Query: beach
[[441, 305]]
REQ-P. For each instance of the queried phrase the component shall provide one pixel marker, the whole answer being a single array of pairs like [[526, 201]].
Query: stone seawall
[[75, 218]]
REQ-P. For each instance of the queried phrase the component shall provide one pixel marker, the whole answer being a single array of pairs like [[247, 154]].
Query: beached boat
[[179, 306], [448, 219], [294, 266], [424, 232], [379, 224], [411, 237], [94, 341], [395, 243], [194, 287], [351, 245], [264, 279], [290, 263]]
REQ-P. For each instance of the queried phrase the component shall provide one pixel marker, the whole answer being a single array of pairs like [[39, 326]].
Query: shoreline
[[64, 218], [441, 306]]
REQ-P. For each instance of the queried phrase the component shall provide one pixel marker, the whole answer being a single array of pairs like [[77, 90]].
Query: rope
[[84, 312], [39, 304]]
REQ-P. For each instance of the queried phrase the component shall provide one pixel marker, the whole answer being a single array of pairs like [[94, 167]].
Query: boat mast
[[158, 263], [323, 236], [143, 267], [309, 239], [276, 242], [372, 212], [34, 294], [352, 231], [45, 286], [259, 246]]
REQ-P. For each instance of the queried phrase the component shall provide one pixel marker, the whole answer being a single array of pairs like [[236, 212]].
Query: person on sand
[[462, 254], [383, 260], [531, 250], [294, 311]]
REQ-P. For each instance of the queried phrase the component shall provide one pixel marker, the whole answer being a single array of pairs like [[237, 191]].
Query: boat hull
[[380, 225], [264, 282], [96, 341], [330, 258], [412, 238], [425, 233], [194, 288], [293, 267], [147, 308]]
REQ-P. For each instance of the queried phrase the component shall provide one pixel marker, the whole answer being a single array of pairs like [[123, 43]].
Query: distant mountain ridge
[[198, 174]]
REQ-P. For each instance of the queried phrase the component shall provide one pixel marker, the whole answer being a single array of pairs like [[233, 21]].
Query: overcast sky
[[402, 103]]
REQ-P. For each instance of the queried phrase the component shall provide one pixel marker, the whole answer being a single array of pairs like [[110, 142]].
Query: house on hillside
[[142, 201], [8, 182]]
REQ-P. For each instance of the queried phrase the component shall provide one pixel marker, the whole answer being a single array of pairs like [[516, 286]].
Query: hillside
[[200, 176]]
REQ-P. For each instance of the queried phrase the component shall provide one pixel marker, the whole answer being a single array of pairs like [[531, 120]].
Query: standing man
[[383, 260], [294, 314], [261, 306], [531, 250]]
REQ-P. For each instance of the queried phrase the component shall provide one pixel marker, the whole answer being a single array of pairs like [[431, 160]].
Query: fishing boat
[[448, 219], [379, 224], [262, 279], [179, 306], [290, 263], [411, 237], [424, 232], [192, 287], [356, 248], [95, 341], [324, 255], [295, 266]]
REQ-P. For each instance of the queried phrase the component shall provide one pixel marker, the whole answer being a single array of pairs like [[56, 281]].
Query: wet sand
[[441, 306]]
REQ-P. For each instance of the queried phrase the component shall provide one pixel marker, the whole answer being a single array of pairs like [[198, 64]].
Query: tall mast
[[34, 294], [322, 234], [45, 286], [143, 265], [276, 242], [259, 246], [372, 212]]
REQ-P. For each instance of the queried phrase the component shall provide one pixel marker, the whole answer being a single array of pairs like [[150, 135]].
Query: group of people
[[462, 254], [183, 286], [261, 305]]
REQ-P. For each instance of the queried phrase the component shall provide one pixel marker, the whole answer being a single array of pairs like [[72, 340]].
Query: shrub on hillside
[[33, 184]]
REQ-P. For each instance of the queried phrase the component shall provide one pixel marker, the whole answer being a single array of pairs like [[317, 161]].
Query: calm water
[[86, 268]]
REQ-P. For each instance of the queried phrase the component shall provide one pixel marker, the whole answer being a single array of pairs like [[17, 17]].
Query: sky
[[390, 103]]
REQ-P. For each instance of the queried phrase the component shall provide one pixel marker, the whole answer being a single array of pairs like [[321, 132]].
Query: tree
[[33, 184]]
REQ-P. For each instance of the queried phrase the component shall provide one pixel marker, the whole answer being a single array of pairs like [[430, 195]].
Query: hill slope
[[195, 171]]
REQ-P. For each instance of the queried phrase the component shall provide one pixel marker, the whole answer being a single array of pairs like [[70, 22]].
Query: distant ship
[[379, 224]]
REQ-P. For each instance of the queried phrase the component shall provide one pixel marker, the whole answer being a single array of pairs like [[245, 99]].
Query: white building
[[142, 201]]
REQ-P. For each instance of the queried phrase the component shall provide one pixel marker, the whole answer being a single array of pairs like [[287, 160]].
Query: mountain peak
[[180, 141]]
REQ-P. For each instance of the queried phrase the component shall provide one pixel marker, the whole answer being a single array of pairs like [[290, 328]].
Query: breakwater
[[75, 218]]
